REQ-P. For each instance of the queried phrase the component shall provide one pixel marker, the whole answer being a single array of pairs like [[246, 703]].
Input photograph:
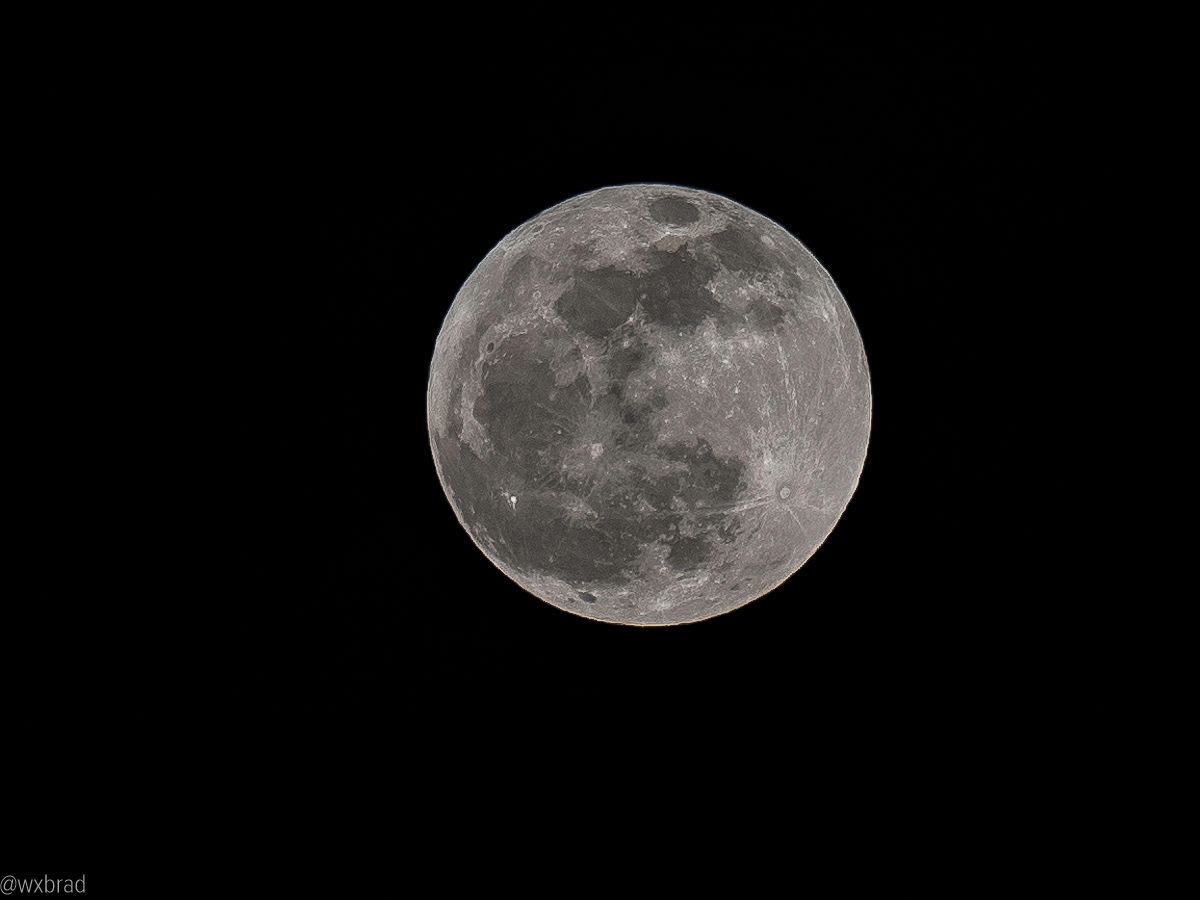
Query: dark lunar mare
[[678, 497], [673, 211], [531, 424], [674, 293]]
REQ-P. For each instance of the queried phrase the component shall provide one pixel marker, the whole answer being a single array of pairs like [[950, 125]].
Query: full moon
[[649, 405]]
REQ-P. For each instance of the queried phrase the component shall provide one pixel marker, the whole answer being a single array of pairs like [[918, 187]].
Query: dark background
[[930, 167], [301, 201]]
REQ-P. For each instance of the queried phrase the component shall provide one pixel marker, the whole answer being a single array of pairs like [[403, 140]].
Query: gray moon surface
[[649, 405]]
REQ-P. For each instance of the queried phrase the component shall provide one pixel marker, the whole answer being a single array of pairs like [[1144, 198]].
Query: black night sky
[[923, 167], [341, 183], [935, 168]]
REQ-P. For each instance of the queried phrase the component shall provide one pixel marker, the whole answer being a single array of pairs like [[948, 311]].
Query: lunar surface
[[649, 405]]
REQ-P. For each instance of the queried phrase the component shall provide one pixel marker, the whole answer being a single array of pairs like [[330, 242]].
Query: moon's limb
[[649, 405]]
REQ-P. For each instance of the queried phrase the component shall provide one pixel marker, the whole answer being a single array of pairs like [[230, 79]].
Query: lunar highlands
[[649, 405]]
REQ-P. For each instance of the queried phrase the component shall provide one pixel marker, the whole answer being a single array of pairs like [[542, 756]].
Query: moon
[[649, 405]]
